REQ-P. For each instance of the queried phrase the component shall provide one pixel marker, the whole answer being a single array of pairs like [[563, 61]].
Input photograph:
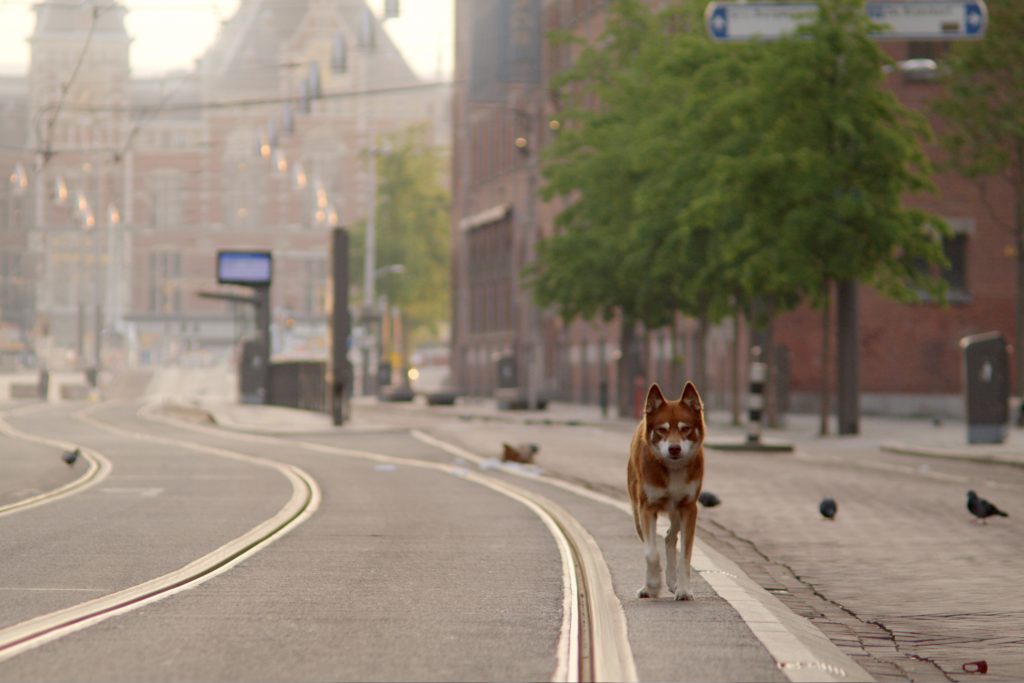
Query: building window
[[491, 278], [165, 199], [955, 275], [955, 248], [163, 289], [316, 287]]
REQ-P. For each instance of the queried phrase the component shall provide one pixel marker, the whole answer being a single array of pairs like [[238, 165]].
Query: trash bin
[[384, 374], [507, 372], [986, 387]]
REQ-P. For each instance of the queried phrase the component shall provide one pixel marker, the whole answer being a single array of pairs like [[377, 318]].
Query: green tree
[[984, 114], [412, 229], [820, 194], [593, 165]]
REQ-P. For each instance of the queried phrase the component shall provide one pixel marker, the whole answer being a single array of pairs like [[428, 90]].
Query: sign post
[[916, 20], [252, 269]]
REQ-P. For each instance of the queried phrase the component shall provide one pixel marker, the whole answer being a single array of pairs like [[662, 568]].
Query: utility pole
[[370, 277], [339, 372], [530, 144]]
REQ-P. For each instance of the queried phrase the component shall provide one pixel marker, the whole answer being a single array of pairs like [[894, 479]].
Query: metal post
[[97, 305], [339, 377], [80, 286], [370, 281], [534, 329], [755, 399], [262, 296]]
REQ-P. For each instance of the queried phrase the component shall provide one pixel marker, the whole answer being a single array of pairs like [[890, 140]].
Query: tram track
[[98, 468], [304, 501], [587, 650], [593, 643]]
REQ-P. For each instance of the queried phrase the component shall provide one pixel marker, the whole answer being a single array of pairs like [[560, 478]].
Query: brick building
[[136, 182], [909, 355]]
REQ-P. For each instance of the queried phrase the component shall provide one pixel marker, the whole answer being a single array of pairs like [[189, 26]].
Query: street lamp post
[[369, 272]]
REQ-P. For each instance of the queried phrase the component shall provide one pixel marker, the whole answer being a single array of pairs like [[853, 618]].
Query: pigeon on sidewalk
[[708, 499], [523, 452], [71, 456], [827, 507], [981, 508]]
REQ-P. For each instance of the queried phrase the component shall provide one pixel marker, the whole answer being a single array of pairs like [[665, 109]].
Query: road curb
[[946, 454]]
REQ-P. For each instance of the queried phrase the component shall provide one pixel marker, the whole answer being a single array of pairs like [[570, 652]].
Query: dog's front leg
[[688, 515], [671, 558], [652, 586]]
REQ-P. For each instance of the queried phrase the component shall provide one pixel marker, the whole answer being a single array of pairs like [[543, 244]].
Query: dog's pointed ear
[[691, 398], [655, 399]]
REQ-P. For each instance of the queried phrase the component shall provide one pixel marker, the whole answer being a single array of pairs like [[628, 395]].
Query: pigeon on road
[[981, 508], [523, 452], [71, 456], [708, 499], [827, 507]]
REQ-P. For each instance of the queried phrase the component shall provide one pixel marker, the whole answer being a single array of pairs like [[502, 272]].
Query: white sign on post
[[929, 20], [916, 20]]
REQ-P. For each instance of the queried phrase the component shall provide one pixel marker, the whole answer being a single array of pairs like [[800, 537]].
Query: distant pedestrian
[[981, 508]]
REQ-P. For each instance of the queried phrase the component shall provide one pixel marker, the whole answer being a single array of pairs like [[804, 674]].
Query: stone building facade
[[136, 182]]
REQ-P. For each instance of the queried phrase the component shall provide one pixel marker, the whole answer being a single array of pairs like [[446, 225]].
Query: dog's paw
[[647, 592], [683, 595]]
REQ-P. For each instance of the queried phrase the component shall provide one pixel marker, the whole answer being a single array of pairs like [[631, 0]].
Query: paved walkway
[[946, 439]]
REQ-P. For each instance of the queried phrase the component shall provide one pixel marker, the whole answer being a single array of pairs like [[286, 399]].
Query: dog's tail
[[639, 527]]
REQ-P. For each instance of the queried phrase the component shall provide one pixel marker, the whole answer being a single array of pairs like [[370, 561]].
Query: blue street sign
[[907, 20]]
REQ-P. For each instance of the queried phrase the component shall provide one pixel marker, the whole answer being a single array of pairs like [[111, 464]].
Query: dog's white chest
[[679, 488]]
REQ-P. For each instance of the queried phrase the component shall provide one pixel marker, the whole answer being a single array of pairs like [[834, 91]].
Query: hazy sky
[[171, 34]]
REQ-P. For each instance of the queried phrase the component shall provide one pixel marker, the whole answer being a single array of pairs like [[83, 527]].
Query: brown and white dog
[[666, 469]]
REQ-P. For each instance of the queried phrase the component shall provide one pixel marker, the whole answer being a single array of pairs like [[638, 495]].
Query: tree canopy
[[701, 177], [412, 229]]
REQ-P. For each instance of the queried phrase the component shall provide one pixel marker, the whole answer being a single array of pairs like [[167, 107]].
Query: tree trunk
[[700, 354], [848, 407], [771, 360], [737, 360], [628, 367], [675, 367], [826, 335], [1018, 337]]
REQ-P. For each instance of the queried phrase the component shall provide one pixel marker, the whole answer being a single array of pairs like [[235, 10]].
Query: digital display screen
[[244, 267]]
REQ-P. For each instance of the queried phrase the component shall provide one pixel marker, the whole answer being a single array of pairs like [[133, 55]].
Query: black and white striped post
[[755, 399]]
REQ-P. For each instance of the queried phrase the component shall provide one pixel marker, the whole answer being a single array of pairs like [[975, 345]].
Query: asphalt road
[[402, 573]]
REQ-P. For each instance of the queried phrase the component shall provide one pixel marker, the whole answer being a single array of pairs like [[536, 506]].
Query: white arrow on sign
[[932, 20], [917, 20]]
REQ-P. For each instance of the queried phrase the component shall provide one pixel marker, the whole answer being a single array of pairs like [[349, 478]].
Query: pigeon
[[71, 456], [523, 452], [708, 499], [981, 508], [827, 508]]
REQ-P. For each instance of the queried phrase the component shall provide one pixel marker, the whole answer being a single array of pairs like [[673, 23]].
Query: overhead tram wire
[[66, 87], [260, 101], [146, 115]]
